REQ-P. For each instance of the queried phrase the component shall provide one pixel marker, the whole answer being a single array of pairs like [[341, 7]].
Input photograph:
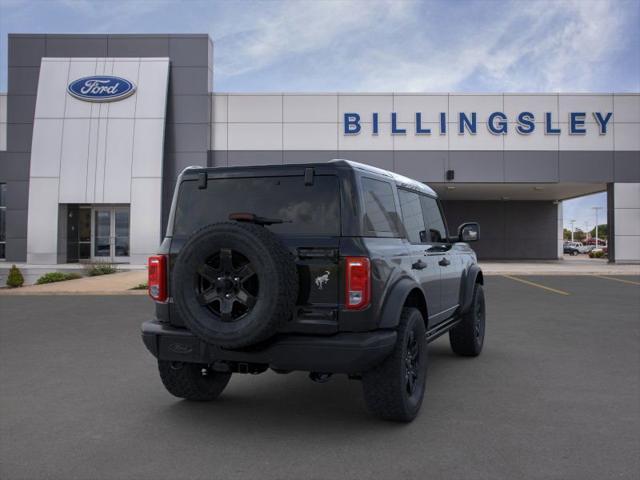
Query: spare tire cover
[[234, 284]]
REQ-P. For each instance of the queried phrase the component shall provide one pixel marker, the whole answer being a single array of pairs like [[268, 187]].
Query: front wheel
[[192, 381], [467, 337], [394, 390]]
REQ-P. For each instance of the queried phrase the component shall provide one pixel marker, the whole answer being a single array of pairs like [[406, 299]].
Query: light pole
[[596, 209], [572, 222]]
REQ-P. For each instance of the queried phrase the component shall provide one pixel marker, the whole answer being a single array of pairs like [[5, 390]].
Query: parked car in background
[[570, 249]]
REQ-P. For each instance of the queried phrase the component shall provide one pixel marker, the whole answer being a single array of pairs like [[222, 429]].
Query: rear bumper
[[340, 353]]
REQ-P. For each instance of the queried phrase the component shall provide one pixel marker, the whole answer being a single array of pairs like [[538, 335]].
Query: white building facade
[[91, 178]]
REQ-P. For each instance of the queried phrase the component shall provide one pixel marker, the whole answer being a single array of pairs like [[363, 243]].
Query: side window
[[380, 215], [412, 216], [433, 220]]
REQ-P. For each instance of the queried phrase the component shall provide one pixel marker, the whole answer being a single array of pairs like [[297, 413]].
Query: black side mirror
[[469, 232]]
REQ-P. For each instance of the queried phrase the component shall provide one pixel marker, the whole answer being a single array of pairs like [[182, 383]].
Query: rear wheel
[[394, 390], [192, 381], [467, 338]]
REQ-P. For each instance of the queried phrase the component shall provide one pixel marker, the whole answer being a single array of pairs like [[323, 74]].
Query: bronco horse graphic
[[322, 280]]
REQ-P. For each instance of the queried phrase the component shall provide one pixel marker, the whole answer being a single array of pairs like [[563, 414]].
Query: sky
[[377, 45]]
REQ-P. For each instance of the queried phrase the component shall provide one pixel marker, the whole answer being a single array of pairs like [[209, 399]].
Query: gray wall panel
[[26, 50], [586, 166], [509, 230], [23, 81], [188, 109], [428, 166], [246, 157], [477, 166], [189, 51], [306, 156], [17, 194], [528, 166], [15, 166], [187, 137], [76, 46], [19, 137], [626, 166], [16, 223], [138, 46], [218, 158], [188, 80], [16, 250], [22, 108]]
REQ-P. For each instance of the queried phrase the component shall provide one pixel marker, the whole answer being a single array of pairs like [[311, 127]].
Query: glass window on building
[[3, 220]]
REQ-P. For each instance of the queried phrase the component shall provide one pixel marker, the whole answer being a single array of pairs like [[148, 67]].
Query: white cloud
[[533, 46], [291, 29]]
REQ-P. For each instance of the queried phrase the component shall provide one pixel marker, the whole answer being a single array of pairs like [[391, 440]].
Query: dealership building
[[94, 130]]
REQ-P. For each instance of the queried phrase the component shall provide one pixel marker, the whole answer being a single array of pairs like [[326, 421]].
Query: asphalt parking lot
[[555, 394]]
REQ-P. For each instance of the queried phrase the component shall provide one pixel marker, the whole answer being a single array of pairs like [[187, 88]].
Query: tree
[[603, 231], [579, 235]]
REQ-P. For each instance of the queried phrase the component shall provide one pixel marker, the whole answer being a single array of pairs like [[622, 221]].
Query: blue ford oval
[[101, 88]]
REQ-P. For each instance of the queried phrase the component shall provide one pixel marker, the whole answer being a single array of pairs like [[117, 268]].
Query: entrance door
[[111, 234]]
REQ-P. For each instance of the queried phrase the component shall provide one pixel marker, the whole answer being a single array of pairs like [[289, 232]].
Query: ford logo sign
[[101, 88]]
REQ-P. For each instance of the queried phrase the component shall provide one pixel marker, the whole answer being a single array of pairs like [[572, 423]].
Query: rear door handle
[[419, 265], [444, 262]]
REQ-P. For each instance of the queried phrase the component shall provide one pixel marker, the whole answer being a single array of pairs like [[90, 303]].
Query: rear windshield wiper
[[253, 218]]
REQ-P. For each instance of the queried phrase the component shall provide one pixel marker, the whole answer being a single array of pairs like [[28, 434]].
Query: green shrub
[[52, 277], [15, 278], [141, 286], [100, 269], [596, 254]]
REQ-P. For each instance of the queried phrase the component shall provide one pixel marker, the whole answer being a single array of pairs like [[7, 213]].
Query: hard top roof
[[400, 180]]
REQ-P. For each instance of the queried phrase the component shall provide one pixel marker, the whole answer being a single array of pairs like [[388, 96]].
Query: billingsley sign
[[101, 88], [497, 123]]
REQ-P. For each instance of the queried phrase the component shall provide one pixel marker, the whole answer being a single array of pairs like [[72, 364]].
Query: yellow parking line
[[534, 284], [618, 279]]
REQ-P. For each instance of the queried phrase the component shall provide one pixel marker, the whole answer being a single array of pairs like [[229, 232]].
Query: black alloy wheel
[[412, 363], [227, 285]]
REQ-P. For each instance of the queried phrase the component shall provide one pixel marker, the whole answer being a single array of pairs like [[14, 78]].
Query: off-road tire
[[385, 386], [467, 337], [277, 275], [186, 380]]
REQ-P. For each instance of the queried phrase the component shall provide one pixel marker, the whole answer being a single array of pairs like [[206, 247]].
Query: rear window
[[306, 209]]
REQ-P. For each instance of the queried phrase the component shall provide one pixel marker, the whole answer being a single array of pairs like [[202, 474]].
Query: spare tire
[[234, 284]]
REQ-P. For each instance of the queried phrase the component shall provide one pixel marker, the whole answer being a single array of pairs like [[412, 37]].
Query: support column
[[560, 236], [623, 205]]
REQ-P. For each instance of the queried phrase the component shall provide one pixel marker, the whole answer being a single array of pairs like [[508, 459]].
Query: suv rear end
[[329, 329]]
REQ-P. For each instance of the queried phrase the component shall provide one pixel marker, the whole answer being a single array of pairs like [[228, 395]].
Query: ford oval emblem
[[101, 88]]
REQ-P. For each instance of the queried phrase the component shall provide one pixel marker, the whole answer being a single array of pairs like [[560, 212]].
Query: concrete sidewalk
[[113, 284], [122, 283], [568, 266]]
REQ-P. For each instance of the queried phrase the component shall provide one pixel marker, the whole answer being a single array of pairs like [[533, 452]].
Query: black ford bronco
[[329, 268]]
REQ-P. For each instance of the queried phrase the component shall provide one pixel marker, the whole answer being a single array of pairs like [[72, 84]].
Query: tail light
[[357, 282], [157, 282]]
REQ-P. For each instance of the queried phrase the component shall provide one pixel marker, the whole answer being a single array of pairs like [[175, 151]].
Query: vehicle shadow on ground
[[272, 402]]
